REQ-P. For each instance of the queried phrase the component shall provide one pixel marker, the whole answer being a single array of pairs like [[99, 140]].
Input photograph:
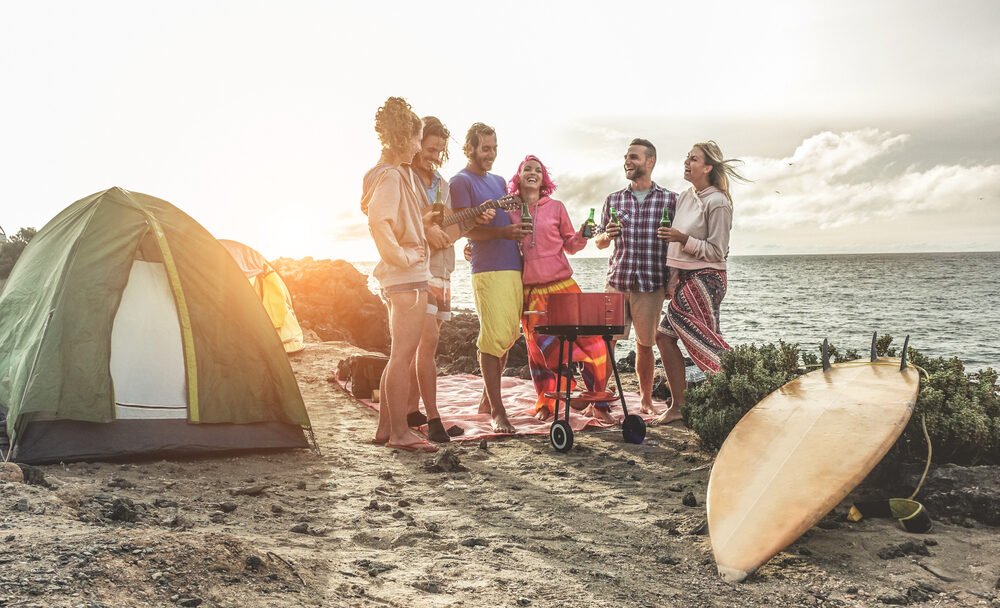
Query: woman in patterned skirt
[[696, 257]]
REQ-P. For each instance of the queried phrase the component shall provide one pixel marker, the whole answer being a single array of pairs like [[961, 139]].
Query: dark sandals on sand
[[415, 419], [436, 432]]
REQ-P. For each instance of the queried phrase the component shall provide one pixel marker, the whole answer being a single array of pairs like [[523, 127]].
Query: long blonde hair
[[722, 168]]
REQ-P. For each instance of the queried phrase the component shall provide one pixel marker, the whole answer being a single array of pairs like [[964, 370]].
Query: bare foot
[[501, 424], [543, 414], [646, 408], [382, 430], [673, 414], [602, 414], [484, 406], [411, 442]]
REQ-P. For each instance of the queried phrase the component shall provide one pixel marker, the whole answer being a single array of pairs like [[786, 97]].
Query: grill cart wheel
[[561, 436], [633, 429]]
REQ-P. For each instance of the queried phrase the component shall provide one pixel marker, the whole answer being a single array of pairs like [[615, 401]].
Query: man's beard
[[483, 164]]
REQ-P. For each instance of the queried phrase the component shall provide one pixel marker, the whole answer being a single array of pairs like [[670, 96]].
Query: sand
[[607, 524]]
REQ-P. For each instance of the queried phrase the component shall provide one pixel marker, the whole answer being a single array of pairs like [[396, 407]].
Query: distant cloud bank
[[835, 192]]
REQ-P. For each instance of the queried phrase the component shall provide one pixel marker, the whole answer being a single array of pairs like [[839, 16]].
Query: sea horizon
[[772, 255], [946, 302]]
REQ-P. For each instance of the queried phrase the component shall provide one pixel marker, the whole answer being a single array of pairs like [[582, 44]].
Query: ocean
[[949, 303]]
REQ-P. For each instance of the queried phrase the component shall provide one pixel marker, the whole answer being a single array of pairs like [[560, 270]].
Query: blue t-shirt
[[468, 190]]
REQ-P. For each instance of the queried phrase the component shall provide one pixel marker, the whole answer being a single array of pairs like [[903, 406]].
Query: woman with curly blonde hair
[[392, 201], [696, 257]]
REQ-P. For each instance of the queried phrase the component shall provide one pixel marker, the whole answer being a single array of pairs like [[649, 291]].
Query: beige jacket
[[396, 223], [707, 218]]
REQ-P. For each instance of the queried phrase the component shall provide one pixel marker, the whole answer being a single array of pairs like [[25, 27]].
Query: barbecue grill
[[570, 316]]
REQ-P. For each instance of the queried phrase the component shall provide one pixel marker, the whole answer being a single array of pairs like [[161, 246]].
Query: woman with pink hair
[[547, 271]]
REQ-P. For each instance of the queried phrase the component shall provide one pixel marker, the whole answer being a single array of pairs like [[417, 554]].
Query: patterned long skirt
[[543, 351], [693, 316]]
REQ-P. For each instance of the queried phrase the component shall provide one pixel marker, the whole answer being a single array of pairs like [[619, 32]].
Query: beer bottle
[[588, 226], [665, 218], [614, 218], [438, 207], [526, 215]]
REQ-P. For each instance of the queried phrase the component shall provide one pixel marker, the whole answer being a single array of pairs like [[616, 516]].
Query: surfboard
[[798, 453]]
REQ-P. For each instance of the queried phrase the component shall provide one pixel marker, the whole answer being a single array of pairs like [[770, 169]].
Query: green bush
[[748, 374], [962, 410], [11, 250]]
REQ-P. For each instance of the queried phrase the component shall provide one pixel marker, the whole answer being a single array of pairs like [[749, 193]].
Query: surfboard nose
[[732, 575]]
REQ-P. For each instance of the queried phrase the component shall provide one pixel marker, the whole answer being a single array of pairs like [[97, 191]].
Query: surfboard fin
[[825, 352], [874, 339], [902, 359]]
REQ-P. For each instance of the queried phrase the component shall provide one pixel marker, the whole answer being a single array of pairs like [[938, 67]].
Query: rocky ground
[[505, 523]]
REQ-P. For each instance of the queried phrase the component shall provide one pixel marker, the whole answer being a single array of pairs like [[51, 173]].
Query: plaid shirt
[[639, 260]]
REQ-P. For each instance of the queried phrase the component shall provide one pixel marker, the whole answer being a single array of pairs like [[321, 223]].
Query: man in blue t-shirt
[[496, 267]]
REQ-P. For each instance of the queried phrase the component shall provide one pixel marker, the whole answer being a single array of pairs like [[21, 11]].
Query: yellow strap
[[184, 317]]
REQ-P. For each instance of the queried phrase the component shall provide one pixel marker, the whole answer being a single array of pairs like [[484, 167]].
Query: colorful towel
[[458, 401], [543, 351], [693, 316]]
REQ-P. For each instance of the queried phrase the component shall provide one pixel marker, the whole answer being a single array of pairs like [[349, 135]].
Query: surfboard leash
[[910, 514]]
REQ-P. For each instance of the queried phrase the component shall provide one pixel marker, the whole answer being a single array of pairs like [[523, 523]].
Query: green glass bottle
[[438, 208], [665, 218], [589, 225], [614, 218]]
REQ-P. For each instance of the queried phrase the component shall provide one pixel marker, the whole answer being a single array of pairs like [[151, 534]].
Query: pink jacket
[[545, 251]]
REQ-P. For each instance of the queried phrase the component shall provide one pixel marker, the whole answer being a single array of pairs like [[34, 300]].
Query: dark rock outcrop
[[457, 352], [955, 493], [332, 299]]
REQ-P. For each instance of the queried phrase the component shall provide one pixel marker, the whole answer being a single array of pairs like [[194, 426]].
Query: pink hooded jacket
[[545, 250]]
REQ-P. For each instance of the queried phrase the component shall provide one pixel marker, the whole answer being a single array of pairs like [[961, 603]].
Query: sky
[[864, 126]]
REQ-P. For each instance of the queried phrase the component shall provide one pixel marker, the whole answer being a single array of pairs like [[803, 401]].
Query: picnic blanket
[[458, 402]]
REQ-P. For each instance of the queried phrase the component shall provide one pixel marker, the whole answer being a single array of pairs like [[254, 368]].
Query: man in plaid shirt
[[638, 264]]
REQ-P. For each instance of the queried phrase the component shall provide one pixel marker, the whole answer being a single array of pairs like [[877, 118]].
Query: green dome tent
[[127, 330]]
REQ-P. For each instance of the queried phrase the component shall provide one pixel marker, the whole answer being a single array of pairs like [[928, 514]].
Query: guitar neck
[[469, 213]]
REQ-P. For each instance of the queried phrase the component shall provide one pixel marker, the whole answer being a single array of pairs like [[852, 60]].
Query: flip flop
[[424, 447]]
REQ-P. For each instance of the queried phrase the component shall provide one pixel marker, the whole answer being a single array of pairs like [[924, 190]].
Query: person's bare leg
[[426, 366], [484, 399], [382, 430], [492, 368], [644, 370], [612, 385], [413, 399], [427, 379], [408, 312], [673, 365]]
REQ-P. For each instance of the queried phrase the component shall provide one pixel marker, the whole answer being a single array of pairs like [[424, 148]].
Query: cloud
[[847, 191], [835, 180], [581, 193]]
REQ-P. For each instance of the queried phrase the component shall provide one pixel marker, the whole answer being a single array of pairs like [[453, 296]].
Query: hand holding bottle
[[614, 227], [587, 230]]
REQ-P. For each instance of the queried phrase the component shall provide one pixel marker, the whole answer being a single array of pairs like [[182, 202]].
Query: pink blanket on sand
[[458, 402]]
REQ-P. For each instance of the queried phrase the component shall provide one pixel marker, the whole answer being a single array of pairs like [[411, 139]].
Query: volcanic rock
[[332, 298]]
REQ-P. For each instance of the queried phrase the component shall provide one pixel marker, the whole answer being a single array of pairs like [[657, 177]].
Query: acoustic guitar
[[452, 220]]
